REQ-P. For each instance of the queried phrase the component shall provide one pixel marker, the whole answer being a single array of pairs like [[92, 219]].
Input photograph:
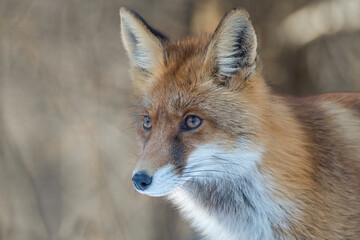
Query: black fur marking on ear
[[134, 40], [241, 47], [158, 34], [130, 33], [144, 71], [241, 54]]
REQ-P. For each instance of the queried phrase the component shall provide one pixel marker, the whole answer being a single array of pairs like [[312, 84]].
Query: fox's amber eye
[[147, 123], [192, 122]]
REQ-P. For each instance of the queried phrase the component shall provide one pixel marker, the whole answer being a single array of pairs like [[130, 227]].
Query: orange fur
[[312, 145]]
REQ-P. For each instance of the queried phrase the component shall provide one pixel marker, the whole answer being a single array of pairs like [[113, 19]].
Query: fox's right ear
[[144, 45]]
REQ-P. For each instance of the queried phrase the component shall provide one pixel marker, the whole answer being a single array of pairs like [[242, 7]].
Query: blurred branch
[[318, 19]]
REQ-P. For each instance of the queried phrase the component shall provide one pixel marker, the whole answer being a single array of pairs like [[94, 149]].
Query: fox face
[[197, 111]]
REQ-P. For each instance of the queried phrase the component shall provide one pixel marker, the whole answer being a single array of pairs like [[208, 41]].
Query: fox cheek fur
[[239, 161]]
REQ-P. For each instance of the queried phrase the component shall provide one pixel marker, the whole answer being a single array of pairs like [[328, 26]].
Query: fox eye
[[147, 123], [192, 122]]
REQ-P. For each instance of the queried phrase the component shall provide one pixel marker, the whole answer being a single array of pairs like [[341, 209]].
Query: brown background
[[67, 143]]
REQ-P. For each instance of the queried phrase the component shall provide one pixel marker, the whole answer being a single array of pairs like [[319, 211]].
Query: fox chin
[[239, 161]]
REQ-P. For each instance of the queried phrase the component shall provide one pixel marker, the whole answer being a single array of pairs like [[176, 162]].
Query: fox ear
[[233, 46], [144, 45]]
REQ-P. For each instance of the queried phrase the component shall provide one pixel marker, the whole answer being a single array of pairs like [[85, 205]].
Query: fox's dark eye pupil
[[147, 123]]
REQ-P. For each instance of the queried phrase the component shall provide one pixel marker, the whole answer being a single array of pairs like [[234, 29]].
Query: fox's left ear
[[144, 45], [233, 47]]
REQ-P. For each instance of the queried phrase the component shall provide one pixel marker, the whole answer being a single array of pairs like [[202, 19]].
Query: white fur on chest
[[254, 222], [200, 217], [215, 225]]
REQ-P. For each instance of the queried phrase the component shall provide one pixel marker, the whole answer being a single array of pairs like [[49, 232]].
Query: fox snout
[[163, 181], [141, 180]]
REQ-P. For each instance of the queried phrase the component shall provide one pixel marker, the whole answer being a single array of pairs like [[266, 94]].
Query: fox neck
[[228, 208]]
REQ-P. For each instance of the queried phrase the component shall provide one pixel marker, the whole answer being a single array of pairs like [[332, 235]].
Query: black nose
[[141, 180]]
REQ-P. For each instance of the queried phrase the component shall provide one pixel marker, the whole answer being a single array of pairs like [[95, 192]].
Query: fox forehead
[[180, 82], [171, 100]]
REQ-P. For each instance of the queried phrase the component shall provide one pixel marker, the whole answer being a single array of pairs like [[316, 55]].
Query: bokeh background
[[67, 144]]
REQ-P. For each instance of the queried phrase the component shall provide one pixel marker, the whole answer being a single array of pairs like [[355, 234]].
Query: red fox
[[239, 161]]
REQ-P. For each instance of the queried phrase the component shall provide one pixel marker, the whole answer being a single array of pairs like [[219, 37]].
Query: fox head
[[199, 110]]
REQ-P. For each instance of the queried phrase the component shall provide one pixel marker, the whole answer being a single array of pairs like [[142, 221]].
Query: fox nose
[[141, 181]]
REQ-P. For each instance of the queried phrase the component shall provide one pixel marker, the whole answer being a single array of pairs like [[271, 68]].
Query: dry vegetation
[[66, 139]]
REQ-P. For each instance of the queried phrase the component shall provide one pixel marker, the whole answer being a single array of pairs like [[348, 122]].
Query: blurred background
[[67, 144]]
